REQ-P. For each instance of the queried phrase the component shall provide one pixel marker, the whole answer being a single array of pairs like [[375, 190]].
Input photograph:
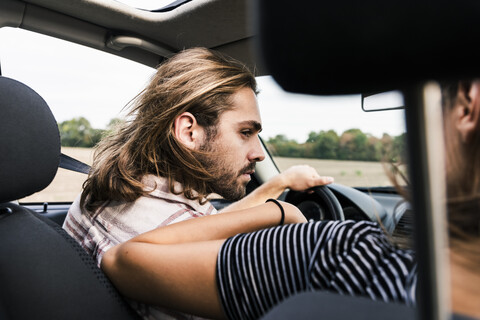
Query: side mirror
[[390, 100]]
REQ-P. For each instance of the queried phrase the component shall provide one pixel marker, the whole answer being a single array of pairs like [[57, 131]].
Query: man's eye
[[246, 133]]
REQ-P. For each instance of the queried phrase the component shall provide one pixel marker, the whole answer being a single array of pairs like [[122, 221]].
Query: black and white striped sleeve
[[256, 271]]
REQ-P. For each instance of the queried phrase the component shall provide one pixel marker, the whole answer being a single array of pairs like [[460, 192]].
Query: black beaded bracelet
[[281, 210]]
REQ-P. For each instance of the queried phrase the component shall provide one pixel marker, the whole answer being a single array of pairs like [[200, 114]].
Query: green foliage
[[281, 145], [78, 132], [323, 145], [353, 144], [113, 126]]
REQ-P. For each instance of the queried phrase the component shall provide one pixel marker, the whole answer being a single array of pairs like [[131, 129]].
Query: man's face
[[236, 146]]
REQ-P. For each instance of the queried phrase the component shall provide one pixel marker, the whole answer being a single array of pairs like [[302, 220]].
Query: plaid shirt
[[118, 222]]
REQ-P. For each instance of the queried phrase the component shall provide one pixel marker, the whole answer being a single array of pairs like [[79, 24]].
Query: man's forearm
[[219, 226]]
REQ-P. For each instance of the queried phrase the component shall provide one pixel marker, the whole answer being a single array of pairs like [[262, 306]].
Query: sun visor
[[351, 46]]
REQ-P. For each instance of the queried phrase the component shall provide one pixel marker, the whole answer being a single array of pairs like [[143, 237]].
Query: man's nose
[[257, 153]]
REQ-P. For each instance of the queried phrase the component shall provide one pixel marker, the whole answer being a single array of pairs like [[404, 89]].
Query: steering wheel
[[322, 204]]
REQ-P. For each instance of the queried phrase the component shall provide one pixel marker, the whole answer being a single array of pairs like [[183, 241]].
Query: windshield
[[332, 134]]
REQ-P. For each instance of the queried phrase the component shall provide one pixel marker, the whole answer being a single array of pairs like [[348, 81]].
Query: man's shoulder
[[158, 207], [75, 218], [158, 188], [119, 221]]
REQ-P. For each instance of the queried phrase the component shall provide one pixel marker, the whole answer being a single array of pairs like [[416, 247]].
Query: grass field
[[67, 184]]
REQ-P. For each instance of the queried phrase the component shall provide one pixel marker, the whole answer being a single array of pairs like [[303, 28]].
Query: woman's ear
[[467, 111], [187, 130]]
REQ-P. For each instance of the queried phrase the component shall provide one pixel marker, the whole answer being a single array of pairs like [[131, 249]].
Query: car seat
[[44, 273]]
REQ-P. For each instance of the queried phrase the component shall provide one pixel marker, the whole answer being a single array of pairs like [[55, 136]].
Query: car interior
[[333, 48], [45, 274]]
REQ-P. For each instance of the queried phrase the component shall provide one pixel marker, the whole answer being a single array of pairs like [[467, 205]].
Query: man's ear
[[187, 130], [467, 112]]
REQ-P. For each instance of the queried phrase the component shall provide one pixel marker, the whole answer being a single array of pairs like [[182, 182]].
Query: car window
[[86, 89], [333, 134]]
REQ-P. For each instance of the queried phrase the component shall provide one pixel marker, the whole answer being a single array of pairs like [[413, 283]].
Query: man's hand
[[298, 178], [302, 177]]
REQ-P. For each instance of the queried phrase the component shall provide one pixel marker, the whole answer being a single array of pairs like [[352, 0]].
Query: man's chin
[[233, 195]]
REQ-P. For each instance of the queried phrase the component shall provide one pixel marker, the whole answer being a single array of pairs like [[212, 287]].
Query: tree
[[374, 149], [113, 126], [353, 144], [399, 148], [78, 132], [281, 146], [324, 144]]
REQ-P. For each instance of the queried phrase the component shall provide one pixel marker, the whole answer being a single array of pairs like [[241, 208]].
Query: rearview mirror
[[390, 100]]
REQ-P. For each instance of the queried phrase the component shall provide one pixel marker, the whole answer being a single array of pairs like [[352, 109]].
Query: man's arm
[[298, 178], [175, 266], [218, 226]]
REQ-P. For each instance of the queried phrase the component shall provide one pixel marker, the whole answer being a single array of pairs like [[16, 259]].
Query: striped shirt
[[256, 271], [118, 222]]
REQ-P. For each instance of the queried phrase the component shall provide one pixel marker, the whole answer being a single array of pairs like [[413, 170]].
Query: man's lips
[[247, 175], [250, 169], [247, 172]]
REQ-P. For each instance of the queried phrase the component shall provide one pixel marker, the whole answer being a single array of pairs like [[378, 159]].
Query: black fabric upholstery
[[45, 274], [351, 46], [325, 305], [29, 140]]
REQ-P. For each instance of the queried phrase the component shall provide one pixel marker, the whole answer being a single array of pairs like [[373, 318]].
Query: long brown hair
[[463, 175], [462, 164], [199, 81]]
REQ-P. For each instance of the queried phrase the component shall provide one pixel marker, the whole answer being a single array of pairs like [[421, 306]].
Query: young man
[[250, 264], [192, 132]]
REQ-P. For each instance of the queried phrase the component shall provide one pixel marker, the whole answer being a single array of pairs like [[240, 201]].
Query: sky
[[77, 81]]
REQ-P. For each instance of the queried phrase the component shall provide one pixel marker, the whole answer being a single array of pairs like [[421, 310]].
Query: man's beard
[[225, 180]]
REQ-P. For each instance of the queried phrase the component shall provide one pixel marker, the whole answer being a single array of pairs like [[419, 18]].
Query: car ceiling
[[144, 36]]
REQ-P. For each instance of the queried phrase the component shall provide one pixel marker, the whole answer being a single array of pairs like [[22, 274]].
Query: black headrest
[[29, 141], [351, 46]]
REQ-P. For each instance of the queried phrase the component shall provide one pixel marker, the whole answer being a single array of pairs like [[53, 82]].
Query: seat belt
[[69, 163]]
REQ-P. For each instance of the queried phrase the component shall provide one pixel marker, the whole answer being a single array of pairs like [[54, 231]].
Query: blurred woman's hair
[[462, 177], [463, 174], [199, 81]]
